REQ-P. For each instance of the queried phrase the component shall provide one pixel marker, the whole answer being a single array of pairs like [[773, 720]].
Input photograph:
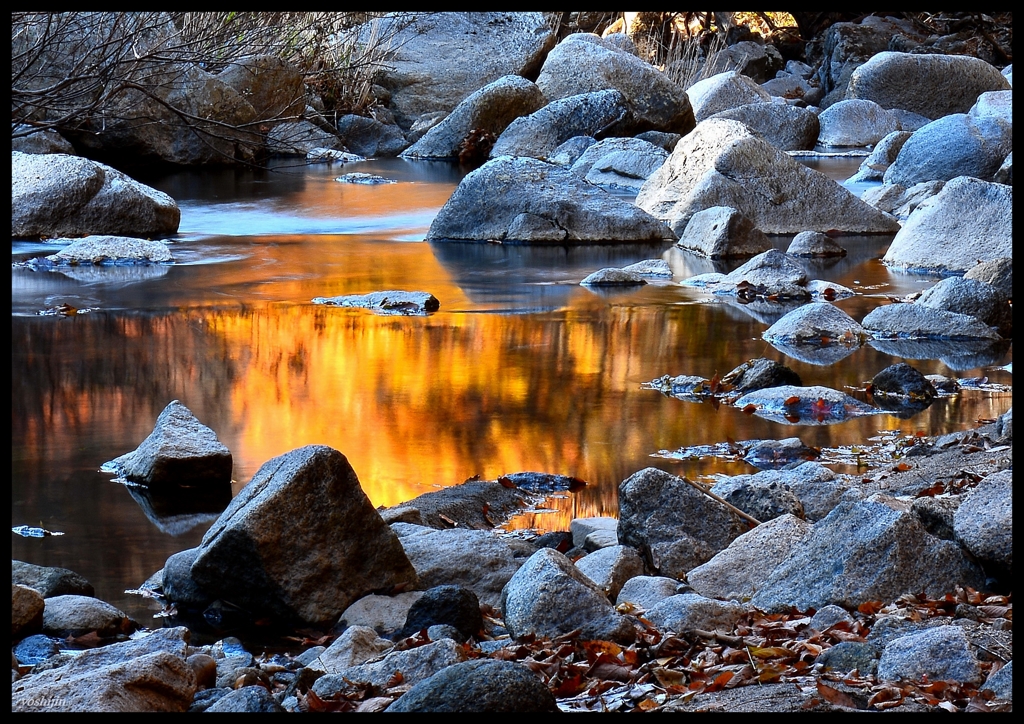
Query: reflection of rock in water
[[532, 276], [116, 274], [958, 354], [816, 354], [763, 310], [178, 510]]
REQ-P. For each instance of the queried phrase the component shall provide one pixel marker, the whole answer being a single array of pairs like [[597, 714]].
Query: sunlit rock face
[[723, 163]]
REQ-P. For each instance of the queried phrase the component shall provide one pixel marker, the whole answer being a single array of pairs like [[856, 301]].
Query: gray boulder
[[721, 232], [818, 322], [438, 59], [477, 560], [758, 373], [914, 321], [855, 122], [978, 299], [483, 686], [71, 615], [966, 222], [50, 581], [152, 682], [416, 664], [984, 521], [619, 164], [548, 596], [583, 63], [492, 109], [40, 141], [881, 157], [940, 653], [760, 498], [814, 244], [105, 251], [541, 133], [757, 61], [449, 605], [274, 87], [723, 163], [786, 127], [686, 612], [356, 645], [301, 541], [247, 699], [611, 567], [298, 138], [994, 103], [869, 550], [902, 380], [932, 85], [647, 591], [611, 276], [771, 273], [954, 145], [384, 615], [1001, 682], [526, 200], [673, 525], [997, 272], [723, 91], [181, 451], [60, 195], [369, 137]]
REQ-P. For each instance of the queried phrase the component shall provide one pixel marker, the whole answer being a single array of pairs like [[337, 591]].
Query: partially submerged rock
[[915, 321], [181, 451], [105, 250], [531, 201], [966, 222], [813, 405], [721, 232], [723, 163], [55, 194], [388, 302]]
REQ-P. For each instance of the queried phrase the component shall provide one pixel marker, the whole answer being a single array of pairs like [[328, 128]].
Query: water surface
[[521, 369]]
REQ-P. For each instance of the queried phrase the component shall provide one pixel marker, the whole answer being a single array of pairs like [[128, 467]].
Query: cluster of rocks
[[301, 546]]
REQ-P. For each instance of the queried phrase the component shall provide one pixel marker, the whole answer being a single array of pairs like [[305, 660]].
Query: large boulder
[[788, 128], [527, 200], [583, 63], [984, 521], [870, 550], [435, 60], [301, 541], [60, 195], [978, 299], [723, 91], [954, 145], [846, 46], [968, 221], [273, 87], [71, 615], [50, 581], [148, 126], [540, 134], [673, 525], [855, 122], [723, 163], [491, 109], [740, 570], [181, 451], [929, 84]]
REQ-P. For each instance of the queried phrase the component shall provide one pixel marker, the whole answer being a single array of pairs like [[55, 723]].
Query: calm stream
[[521, 369]]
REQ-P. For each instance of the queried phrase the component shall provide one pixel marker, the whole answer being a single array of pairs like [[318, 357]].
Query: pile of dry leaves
[[662, 670]]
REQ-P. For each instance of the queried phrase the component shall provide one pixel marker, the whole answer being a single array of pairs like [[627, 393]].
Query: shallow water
[[521, 369]]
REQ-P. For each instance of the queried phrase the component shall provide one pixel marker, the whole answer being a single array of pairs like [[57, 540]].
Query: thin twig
[[727, 504]]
